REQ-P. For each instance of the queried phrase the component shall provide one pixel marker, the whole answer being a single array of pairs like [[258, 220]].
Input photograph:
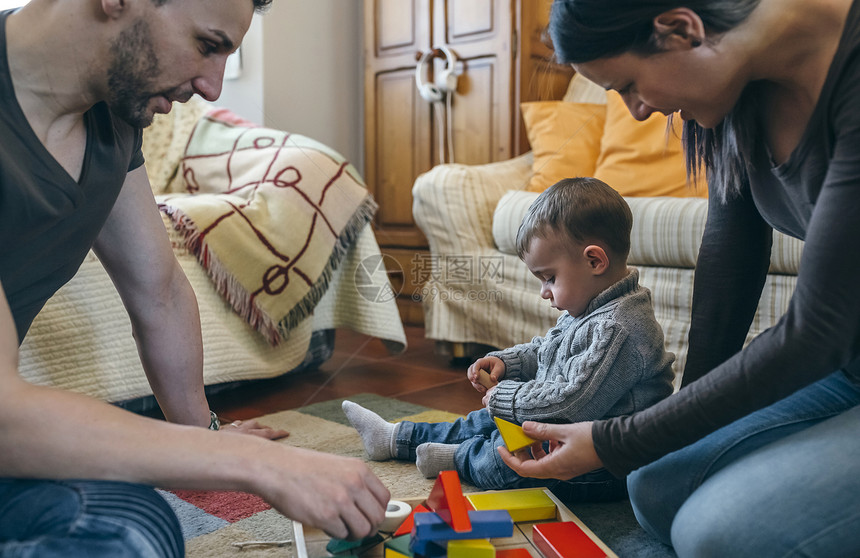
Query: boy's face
[[170, 52], [567, 278]]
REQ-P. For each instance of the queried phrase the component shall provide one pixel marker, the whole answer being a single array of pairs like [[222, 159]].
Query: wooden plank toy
[[447, 500], [529, 504], [471, 548], [565, 540], [513, 435]]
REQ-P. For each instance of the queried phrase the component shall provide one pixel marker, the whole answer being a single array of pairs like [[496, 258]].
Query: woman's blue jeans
[[783, 481], [91, 519], [478, 462]]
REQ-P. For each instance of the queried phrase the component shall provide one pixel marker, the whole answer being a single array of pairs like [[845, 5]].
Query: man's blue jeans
[[89, 519], [783, 481], [478, 462]]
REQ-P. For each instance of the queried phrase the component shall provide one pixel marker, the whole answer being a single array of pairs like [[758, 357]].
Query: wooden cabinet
[[503, 61]]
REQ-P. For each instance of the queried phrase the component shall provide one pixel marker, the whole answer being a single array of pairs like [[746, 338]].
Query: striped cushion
[[667, 231]]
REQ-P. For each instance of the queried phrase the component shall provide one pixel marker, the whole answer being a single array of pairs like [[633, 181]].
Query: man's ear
[[679, 28], [113, 9], [597, 259]]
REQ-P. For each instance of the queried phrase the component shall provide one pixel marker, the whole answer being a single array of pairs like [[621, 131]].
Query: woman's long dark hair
[[586, 30]]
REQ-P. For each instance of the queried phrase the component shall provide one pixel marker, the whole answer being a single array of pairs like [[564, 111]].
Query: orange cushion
[[639, 158], [565, 139]]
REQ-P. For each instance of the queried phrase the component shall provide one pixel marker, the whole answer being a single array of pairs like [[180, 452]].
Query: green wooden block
[[340, 546]]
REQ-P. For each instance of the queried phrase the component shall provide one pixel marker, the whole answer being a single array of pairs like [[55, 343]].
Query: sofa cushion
[[640, 158], [583, 90], [667, 231], [565, 138]]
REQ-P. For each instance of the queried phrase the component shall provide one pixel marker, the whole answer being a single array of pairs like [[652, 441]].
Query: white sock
[[433, 458], [378, 435]]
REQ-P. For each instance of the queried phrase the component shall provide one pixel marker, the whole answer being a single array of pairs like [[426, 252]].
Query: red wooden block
[[565, 540], [447, 500], [406, 527], [513, 553]]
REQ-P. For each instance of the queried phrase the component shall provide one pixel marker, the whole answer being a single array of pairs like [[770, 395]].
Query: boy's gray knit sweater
[[608, 362]]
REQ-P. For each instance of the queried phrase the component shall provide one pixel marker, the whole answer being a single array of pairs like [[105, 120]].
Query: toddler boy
[[605, 356]]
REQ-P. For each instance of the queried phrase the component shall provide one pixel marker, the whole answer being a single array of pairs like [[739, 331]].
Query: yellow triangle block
[[390, 553], [513, 435], [528, 504], [471, 548]]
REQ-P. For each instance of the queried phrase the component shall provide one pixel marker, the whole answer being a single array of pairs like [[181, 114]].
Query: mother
[[759, 453]]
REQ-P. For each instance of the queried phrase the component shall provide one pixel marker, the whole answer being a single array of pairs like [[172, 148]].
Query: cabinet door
[[398, 122], [481, 33]]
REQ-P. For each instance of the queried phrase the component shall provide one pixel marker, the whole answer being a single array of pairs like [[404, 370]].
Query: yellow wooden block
[[390, 553], [531, 504], [471, 548], [513, 435]]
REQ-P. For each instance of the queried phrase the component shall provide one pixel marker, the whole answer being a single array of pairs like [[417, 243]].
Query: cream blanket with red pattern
[[269, 215]]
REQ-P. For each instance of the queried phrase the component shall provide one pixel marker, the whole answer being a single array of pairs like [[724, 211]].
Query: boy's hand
[[485, 401], [485, 373]]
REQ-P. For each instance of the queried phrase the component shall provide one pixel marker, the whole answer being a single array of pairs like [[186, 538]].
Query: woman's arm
[[731, 270], [819, 334]]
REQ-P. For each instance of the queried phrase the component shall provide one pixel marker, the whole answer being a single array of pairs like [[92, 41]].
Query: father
[[79, 79]]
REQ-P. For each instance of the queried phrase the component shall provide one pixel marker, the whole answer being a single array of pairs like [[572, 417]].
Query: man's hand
[[339, 495], [254, 428], [571, 451]]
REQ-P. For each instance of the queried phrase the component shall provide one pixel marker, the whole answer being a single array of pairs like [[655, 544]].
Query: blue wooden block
[[433, 550], [429, 528]]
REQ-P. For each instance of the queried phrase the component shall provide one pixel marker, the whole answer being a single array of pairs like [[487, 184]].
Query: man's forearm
[[170, 345]]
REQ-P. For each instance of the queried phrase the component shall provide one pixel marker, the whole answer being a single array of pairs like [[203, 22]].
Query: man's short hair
[[584, 209]]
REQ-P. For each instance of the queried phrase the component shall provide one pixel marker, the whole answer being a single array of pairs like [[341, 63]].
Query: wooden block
[[531, 504], [486, 380], [565, 540], [406, 527], [513, 553], [447, 500], [487, 524], [396, 547], [513, 435], [340, 546], [471, 548]]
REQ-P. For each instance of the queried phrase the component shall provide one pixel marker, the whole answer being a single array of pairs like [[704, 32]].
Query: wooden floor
[[360, 364]]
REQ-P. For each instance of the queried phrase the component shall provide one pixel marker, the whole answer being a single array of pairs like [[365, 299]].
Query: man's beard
[[133, 69]]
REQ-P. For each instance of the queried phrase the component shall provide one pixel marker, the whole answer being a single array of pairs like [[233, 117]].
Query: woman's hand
[[571, 451], [494, 369]]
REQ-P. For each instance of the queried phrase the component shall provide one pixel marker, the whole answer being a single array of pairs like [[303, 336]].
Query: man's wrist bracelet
[[214, 423]]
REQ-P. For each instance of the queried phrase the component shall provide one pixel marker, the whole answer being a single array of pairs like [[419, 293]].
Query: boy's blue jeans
[[89, 519], [478, 462], [783, 481]]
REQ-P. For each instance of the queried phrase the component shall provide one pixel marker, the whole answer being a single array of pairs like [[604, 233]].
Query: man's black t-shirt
[[49, 221]]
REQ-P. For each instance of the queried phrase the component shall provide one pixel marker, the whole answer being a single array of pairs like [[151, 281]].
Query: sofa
[[82, 341], [479, 295]]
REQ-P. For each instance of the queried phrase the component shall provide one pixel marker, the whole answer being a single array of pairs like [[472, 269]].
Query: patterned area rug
[[213, 521]]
